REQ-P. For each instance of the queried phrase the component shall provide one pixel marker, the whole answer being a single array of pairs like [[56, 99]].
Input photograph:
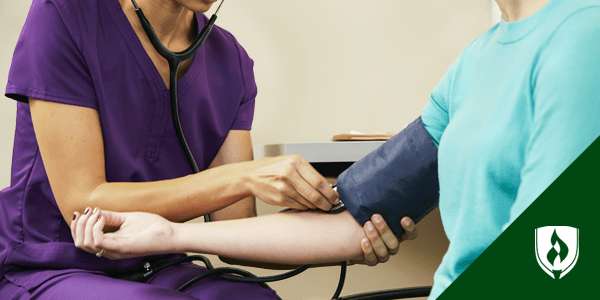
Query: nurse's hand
[[381, 242], [290, 181], [139, 234]]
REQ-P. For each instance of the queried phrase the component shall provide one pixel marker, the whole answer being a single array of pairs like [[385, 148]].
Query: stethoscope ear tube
[[166, 53]]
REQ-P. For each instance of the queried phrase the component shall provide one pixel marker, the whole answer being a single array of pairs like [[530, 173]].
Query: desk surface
[[325, 152]]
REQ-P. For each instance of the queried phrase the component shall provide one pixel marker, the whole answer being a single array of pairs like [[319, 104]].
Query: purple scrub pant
[[162, 286]]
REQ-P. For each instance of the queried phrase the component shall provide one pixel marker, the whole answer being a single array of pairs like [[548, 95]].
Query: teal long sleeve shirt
[[518, 106]]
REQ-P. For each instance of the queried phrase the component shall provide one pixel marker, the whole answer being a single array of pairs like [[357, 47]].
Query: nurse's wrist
[[245, 180]]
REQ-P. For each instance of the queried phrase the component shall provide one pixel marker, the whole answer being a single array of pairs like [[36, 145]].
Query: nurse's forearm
[[178, 199], [216, 190], [285, 238], [71, 143]]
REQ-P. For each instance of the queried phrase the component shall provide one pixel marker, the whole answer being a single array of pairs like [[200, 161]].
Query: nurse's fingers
[[291, 195], [283, 194], [308, 193], [318, 182], [296, 201], [380, 248], [386, 234], [410, 230]]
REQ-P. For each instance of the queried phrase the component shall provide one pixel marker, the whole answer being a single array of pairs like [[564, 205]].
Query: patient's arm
[[285, 238], [291, 238]]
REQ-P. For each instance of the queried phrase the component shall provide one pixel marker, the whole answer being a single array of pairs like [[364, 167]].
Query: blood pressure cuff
[[400, 178]]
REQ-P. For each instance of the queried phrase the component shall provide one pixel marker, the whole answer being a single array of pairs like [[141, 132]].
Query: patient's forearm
[[286, 238]]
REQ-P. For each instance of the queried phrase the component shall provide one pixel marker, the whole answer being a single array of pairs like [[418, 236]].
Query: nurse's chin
[[197, 6]]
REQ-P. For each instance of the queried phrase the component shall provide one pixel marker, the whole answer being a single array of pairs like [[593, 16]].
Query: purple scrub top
[[85, 53]]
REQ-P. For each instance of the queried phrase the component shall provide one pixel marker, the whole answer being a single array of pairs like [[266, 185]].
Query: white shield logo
[[557, 249]]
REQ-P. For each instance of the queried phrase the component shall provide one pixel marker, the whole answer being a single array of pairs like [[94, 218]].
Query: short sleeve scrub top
[[86, 53]]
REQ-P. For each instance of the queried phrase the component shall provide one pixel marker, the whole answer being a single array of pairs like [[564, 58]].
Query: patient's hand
[[381, 242], [138, 234]]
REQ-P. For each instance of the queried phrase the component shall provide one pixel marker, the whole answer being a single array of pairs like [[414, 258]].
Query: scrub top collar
[[145, 62]]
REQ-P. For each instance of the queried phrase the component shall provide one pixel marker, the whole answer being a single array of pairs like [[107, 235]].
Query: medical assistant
[[519, 105], [86, 53]]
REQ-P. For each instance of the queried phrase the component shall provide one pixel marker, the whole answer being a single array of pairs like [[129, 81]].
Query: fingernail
[[87, 211], [377, 219], [407, 223], [96, 210], [366, 243], [369, 226], [336, 202]]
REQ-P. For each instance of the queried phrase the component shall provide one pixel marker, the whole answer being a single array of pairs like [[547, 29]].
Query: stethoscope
[[175, 59]]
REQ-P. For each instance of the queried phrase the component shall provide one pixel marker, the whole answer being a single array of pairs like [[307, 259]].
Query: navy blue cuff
[[400, 178]]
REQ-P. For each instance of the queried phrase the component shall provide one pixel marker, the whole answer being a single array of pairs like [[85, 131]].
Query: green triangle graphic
[[508, 269]]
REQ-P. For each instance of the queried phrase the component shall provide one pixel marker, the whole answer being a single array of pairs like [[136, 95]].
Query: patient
[[278, 238]]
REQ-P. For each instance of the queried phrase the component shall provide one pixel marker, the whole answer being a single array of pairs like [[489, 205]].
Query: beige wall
[[12, 17], [323, 68], [327, 67]]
